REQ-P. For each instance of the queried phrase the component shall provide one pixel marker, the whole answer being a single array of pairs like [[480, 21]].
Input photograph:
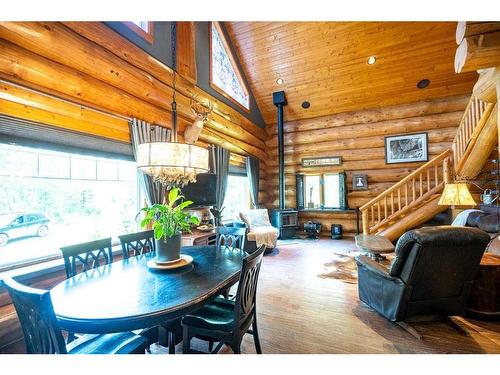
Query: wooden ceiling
[[325, 63]]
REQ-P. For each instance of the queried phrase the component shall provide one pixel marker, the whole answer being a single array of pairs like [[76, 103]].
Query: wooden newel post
[[446, 171], [364, 218]]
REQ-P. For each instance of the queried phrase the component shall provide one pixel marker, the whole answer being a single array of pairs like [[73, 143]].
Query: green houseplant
[[168, 221]]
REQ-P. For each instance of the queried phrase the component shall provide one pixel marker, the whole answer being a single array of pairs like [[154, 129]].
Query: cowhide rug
[[343, 266]]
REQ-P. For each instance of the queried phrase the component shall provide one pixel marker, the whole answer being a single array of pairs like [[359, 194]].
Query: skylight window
[[224, 74]]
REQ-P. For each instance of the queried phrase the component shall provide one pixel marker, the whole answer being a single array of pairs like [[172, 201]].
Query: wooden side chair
[[231, 237], [42, 334], [169, 333], [86, 256], [138, 243], [225, 320]]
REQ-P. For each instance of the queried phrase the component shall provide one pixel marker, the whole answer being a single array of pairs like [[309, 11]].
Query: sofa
[[487, 219]]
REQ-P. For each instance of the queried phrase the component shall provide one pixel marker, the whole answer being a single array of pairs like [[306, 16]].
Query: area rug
[[341, 267]]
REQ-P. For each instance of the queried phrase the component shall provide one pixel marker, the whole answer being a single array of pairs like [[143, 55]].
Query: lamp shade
[[172, 163], [456, 194]]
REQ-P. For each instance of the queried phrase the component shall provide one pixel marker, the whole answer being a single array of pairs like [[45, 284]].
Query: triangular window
[[224, 74]]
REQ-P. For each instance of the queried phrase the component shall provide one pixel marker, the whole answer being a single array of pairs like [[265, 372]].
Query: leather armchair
[[432, 273]]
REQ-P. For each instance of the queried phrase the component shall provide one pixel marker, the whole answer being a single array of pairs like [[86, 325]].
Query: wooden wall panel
[[359, 138], [325, 63], [186, 50]]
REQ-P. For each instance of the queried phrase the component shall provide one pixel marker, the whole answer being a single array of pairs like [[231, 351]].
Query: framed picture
[[359, 182], [406, 148]]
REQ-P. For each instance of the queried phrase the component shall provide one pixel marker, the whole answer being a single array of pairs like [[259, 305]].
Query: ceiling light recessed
[[280, 81], [422, 84], [306, 104], [371, 60]]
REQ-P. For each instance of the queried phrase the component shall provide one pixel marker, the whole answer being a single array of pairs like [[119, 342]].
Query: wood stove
[[285, 219]]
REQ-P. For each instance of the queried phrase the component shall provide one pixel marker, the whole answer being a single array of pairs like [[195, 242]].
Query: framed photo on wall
[[359, 182], [406, 148]]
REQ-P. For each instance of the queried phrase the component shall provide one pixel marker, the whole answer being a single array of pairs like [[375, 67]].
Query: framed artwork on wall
[[406, 148], [359, 182]]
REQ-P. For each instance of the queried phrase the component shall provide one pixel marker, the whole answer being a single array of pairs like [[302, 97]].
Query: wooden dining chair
[[169, 333], [138, 243], [86, 256], [42, 334], [231, 237], [225, 320]]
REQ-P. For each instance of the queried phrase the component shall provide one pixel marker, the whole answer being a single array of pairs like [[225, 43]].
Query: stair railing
[[475, 115], [409, 193]]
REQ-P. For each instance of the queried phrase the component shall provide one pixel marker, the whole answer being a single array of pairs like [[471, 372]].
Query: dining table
[[127, 295]]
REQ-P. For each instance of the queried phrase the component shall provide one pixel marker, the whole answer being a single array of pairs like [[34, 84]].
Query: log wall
[[358, 137], [85, 77]]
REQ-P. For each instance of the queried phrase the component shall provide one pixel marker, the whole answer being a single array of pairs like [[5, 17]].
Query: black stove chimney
[[279, 100]]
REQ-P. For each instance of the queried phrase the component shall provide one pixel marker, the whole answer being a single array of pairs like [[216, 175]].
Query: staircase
[[410, 202], [414, 200]]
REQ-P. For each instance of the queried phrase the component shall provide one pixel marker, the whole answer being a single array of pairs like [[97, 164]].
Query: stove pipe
[[279, 100]]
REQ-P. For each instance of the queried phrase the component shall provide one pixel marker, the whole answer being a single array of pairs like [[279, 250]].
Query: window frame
[[148, 36], [40, 264], [227, 221], [322, 191], [233, 62]]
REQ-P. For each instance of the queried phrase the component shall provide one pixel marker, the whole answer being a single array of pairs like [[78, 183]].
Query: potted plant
[[168, 221]]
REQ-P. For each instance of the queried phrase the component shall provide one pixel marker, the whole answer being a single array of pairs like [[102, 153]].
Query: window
[[143, 28], [237, 197], [51, 199], [143, 25], [313, 191], [323, 191], [225, 76]]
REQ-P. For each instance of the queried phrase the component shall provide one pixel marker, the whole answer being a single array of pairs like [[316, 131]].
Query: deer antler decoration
[[201, 113]]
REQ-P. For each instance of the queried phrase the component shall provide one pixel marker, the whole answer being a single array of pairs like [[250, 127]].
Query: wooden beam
[[482, 143], [478, 52], [395, 112], [467, 29], [32, 113], [25, 67], [389, 127], [485, 88], [116, 128], [186, 51]]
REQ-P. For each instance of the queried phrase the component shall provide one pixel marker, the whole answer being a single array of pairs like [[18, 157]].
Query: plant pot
[[168, 249]]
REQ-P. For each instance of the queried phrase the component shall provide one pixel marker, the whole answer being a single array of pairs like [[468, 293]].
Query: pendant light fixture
[[173, 164]]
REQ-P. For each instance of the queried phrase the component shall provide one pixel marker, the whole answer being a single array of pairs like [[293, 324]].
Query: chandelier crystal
[[172, 164]]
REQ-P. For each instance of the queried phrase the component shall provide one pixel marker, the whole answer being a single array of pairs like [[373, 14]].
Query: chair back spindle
[[86, 256], [231, 237], [247, 287], [139, 243]]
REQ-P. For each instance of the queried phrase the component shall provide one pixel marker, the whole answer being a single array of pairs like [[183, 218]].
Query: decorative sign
[[320, 162]]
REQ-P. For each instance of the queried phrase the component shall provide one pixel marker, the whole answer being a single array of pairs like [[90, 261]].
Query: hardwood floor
[[302, 313]]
